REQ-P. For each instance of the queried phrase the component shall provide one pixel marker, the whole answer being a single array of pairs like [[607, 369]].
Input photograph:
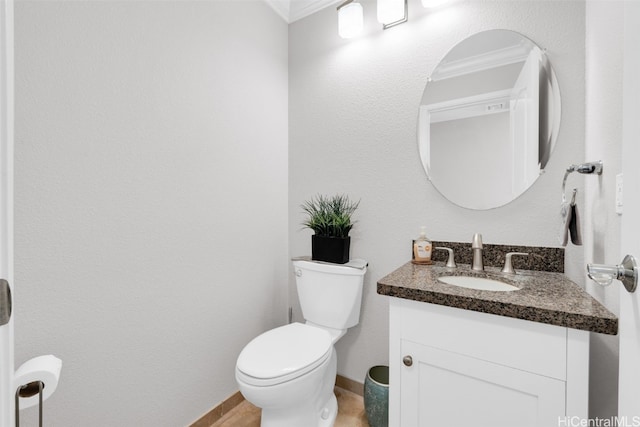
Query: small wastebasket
[[376, 396]]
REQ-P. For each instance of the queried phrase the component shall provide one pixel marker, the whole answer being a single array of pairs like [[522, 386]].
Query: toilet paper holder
[[5, 302], [29, 390], [38, 376]]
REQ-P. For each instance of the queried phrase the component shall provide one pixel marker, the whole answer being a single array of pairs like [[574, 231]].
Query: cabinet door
[[442, 388]]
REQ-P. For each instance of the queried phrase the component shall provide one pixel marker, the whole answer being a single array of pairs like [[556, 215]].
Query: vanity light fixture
[[392, 12], [350, 19], [433, 3]]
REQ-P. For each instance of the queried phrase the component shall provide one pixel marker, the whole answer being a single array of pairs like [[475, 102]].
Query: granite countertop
[[545, 297]]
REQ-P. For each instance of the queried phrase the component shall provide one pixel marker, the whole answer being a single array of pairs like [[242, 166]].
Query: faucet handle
[[508, 268], [451, 262]]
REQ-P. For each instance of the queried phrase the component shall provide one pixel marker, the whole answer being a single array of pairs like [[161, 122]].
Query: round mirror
[[489, 118]]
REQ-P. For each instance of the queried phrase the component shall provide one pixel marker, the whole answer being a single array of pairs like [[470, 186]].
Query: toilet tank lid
[[353, 267], [287, 351]]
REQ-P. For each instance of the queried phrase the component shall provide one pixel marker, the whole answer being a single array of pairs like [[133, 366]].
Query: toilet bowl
[[290, 371]]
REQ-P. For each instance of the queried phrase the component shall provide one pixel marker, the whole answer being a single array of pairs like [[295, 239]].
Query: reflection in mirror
[[488, 120]]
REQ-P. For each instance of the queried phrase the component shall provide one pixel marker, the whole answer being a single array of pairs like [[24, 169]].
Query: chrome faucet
[[476, 247], [508, 266]]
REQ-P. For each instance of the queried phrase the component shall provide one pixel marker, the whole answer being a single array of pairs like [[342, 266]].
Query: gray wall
[[151, 201], [352, 124]]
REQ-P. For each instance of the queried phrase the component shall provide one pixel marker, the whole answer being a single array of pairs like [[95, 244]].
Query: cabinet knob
[[407, 360]]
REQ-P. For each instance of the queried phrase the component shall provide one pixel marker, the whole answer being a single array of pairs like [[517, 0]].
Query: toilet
[[290, 371]]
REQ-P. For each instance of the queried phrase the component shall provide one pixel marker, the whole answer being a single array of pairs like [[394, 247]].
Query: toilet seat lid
[[284, 353]]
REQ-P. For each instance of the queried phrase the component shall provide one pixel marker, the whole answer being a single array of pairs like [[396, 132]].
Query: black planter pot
[[330, 249]]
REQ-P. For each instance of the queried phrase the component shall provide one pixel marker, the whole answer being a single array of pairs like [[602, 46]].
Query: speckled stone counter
[[544, 297]]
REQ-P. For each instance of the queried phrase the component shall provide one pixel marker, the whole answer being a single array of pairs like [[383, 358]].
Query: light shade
[[350, 20], [433, 3], [390, 11]]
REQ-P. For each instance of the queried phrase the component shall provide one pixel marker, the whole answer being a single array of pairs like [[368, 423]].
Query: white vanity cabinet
[[460, 368]]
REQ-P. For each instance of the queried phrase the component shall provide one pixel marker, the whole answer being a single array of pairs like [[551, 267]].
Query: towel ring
[[584, 168]]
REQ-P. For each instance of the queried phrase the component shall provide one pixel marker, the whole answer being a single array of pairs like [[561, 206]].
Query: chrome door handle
[[627, 273], [407, 360]]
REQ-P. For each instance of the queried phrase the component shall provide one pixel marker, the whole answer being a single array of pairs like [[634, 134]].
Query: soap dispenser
[[422, 248]]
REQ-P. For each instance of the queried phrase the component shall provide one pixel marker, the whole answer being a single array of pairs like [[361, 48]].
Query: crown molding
[[281, 7], [484, 61], [293, 10], [303, 8]]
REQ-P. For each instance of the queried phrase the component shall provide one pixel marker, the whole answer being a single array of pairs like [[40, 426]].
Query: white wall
[[151, 201], [604, 53], [352, 125]]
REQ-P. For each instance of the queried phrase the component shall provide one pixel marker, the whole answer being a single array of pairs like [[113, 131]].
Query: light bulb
[[350, 20]]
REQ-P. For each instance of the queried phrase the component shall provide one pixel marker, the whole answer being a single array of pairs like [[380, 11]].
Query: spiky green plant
[[330, 216]]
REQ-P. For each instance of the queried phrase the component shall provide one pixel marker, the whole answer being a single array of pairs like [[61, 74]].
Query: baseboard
[[219, 411], [235, 399], [350, 385]]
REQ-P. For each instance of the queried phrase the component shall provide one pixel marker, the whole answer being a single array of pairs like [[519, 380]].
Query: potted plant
[[330, 219]]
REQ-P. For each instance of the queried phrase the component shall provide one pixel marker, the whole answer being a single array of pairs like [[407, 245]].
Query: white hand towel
[[565, 220]]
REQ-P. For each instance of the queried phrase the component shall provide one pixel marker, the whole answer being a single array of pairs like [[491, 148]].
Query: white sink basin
[[479, 283]]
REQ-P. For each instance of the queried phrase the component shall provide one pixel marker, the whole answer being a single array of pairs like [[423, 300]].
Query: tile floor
[[350, 413]]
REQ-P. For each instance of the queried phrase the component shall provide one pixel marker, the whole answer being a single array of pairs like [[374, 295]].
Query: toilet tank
[[330, 294]]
